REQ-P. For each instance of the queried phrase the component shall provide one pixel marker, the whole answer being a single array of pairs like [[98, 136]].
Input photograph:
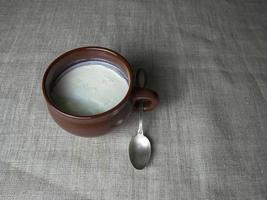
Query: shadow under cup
[[97, 120]]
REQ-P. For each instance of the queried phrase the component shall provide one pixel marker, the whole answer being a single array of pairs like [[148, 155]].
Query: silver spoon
[[140, 147]]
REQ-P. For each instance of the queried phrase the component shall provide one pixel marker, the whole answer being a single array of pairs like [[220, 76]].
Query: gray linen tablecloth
[[206, 59]]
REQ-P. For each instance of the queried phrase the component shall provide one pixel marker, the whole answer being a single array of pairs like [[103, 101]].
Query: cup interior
[[67, 62]]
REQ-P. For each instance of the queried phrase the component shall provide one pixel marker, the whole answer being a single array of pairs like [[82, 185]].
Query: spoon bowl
[[139, 151]]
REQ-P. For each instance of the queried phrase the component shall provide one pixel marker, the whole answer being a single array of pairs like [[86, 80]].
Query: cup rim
[[108, 112]]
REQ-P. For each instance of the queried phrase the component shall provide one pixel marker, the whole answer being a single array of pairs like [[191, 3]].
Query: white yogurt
[[89, 88]]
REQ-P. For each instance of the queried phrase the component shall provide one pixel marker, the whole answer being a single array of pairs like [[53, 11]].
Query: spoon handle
[[141, 78], [140, 128]]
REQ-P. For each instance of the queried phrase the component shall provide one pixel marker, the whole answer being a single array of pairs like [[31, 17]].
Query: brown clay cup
[[98, 124]]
